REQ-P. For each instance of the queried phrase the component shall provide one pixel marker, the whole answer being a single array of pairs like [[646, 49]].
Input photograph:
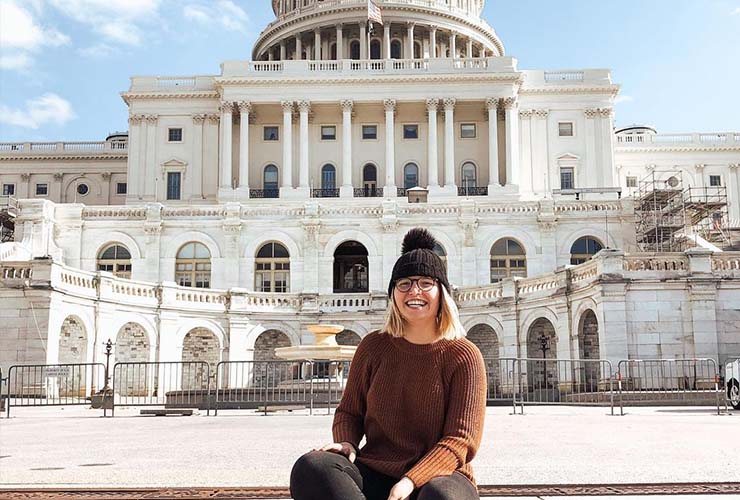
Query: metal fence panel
[[53, 385], [656, 381], [180, 384]]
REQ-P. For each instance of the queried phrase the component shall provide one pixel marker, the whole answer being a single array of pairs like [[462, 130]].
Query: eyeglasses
[[424, 284]]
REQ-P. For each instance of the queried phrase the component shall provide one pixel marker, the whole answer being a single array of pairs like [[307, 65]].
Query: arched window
[[395, 49], [375, 49], [115, 259], [410, 176], [354, 50], [350, 268], [508, 259], [468, 175], [369, 180], [440, 251], [270, 182], [272, 269], [193, 265], [328, 177], [583, 249]]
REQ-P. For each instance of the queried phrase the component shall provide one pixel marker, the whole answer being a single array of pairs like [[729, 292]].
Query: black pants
[[322, 475]]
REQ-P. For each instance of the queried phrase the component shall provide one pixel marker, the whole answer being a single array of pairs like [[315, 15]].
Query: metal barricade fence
[[178, 384], [731, 382], [645, 381], [252, 384], [53, 385], [545, 381], [3, 392]]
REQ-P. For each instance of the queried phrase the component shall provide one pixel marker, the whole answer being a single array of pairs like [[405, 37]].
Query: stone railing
[[729, 261], [31, 148], [696, 139], [113, 212], [676, 262], [347, 302], [479, 296], [16, 271], [540, 78], [584, 271], [546, 282]]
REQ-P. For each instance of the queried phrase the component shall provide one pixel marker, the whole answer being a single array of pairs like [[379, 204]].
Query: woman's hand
[[402, 489], [344, 448]]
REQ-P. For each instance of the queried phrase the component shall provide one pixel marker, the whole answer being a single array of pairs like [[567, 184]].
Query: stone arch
[[111, 238], [132, 346], [485, 338], [199, 344], [174, 245], [588, 349], [266, 370], [542, 375], [350, 235], [250, 251], [530, 318], [71, 187], [348, 337], [266, 343], [73, 340], [593, 232], [350, 273]]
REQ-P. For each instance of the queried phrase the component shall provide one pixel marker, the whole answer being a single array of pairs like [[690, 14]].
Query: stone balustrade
[[674, 262], [33, 148], [663, 140]]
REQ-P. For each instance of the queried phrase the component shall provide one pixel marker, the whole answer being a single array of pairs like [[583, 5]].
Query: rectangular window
[[467, 131], [566, 178], [715, 180], [42, 189], [565, 129], [121, 188], [369, 132], [328, 133], [631, 182], [173, 185], [271, 133], [410, 131], [175, 135], [8, 189]]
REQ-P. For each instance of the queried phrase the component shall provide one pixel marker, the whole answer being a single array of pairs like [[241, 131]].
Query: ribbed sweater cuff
[[345, 431], [440, 461]]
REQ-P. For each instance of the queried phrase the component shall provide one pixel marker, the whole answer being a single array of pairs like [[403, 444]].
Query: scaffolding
[[671, 216], [8, 213]]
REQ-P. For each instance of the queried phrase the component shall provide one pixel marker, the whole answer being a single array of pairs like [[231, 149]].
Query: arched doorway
[[588, 349], [73, 350], [132, 346], [348, 337], [270, 372], [200, 344], [542, 344], [375, 49], [369, 180], [351, 268], [485, 338], [584, 249]]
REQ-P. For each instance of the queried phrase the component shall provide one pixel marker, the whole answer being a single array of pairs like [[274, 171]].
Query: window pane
[[201, 251], [8, 189], [467, 130], [328, 177], [175, 134], [410, 131], [280, 251], [369, 132], [565, 129], [121, 188], [271, 134], [566, 178], [187, 251], [173, 185], [410, 176], [328, 133], [631, 182], [41, 189]]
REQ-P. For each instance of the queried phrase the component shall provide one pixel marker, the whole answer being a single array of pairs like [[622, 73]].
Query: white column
[[512, 141], [607, 149], [410, 38], [346, 189], [493, 177], [363, 41], [432, 42], [245, 108], [387, 40], [134, 165], [283, 53], [591, 162], [453, 45], [196, 172], [287, 170], [298, 47], [303, 108], [151, 157], [699, 168], [432, 148], [450, 147], [389, 190], [540, 162], [734, 191], [225, 157], [317, 44], [470, 48], [340, 42]]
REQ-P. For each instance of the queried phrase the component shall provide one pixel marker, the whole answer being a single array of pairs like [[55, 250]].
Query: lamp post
[[544, 341]]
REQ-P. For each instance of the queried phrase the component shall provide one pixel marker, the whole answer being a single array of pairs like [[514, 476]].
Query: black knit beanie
[[418, 259]]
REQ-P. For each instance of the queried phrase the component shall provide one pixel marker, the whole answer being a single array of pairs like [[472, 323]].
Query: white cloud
[[115, 20], [735, 12], [223, 13], [19, 29], [98, 51], [18, 61], [623, 98], [48, 108]]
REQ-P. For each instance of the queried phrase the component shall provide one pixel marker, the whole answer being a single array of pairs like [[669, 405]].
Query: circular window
[[83, 189], [672, 182]]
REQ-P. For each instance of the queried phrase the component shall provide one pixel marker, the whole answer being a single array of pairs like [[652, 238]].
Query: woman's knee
[[312, 464], [447, 488]]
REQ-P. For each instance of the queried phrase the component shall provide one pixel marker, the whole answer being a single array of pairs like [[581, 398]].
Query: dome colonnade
[[324, 30]]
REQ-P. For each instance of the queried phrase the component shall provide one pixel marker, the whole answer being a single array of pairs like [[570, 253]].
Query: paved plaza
[[73, 447]]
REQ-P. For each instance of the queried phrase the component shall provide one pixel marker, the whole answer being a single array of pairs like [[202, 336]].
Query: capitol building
[[241, 207]]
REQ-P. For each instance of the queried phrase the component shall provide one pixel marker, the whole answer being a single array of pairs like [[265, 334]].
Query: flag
[[373, 12]]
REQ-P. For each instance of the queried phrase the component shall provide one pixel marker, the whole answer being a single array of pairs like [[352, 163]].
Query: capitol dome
[[412, 29]]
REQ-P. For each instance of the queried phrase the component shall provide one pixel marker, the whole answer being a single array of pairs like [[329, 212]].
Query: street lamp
[[544, 341]]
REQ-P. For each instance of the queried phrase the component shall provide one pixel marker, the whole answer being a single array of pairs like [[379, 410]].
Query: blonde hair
[[448, 318]]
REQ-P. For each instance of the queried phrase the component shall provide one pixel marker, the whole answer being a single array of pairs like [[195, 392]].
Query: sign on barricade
[[172, 384], [732, 382], [53, 385]]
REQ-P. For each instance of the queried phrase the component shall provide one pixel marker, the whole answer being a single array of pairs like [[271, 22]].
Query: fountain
[[325, 348]]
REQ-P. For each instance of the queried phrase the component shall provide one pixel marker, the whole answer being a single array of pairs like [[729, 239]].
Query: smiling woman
[[422, 367]]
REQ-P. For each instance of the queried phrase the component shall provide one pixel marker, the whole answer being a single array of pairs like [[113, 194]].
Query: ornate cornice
[[119, 155], [128, 96], [624, 148], [372, 79], [611, 90]]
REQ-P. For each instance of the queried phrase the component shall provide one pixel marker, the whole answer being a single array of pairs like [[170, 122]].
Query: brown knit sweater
[[421, 407]]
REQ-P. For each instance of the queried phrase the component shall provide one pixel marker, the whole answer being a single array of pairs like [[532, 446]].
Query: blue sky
[[63, 63]]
